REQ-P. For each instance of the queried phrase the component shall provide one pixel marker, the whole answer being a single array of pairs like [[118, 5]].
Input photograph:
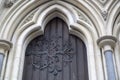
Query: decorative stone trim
[[6, 45], [8, 3], [107, 40], [104, 15]]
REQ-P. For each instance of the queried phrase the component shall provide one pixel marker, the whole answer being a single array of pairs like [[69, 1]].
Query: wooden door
[[56, 55]]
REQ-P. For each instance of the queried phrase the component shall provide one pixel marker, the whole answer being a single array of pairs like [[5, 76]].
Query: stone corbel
[[8, 3]]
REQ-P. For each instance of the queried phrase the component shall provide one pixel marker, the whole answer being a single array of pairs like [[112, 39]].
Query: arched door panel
[[56, 55]]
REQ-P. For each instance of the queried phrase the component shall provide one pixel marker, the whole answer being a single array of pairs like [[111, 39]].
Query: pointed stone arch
[[28, 31], [69, 51]]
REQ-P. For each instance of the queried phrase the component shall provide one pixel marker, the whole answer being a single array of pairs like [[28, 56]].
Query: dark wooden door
[[56, 55]]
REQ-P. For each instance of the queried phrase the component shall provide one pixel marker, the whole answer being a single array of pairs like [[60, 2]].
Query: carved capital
[[6, 45], [107, 40]]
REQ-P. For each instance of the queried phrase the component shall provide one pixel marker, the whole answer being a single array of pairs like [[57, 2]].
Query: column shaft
[[110, 65]]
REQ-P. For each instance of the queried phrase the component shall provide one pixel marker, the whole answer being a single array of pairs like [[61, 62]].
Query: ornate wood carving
[[51, 58], [56, 55]]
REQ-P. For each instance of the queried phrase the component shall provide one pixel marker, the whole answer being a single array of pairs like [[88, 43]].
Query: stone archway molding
[[34, 26]]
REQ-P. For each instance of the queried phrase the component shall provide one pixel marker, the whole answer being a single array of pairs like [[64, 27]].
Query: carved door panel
[[56, 55]]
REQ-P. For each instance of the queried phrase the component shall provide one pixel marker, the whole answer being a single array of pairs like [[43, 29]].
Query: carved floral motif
[[82, 16], [104, 15], [8, 4], [51, 56], [29, 17]]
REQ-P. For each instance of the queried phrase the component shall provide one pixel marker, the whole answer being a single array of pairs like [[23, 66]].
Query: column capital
[[4, 44], [107, 40]]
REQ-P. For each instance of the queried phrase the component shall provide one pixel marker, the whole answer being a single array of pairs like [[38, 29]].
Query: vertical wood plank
[[44, 73], [85, 62], [80, 59], [73, 64], [51, 48], [29, 68], [59, 46], [66, 69]]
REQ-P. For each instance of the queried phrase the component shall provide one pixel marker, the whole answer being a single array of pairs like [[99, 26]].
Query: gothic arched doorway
[[56, 55]]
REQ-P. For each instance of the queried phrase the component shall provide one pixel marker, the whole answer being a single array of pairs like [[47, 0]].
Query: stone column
[[4, 48], [108, 43]]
